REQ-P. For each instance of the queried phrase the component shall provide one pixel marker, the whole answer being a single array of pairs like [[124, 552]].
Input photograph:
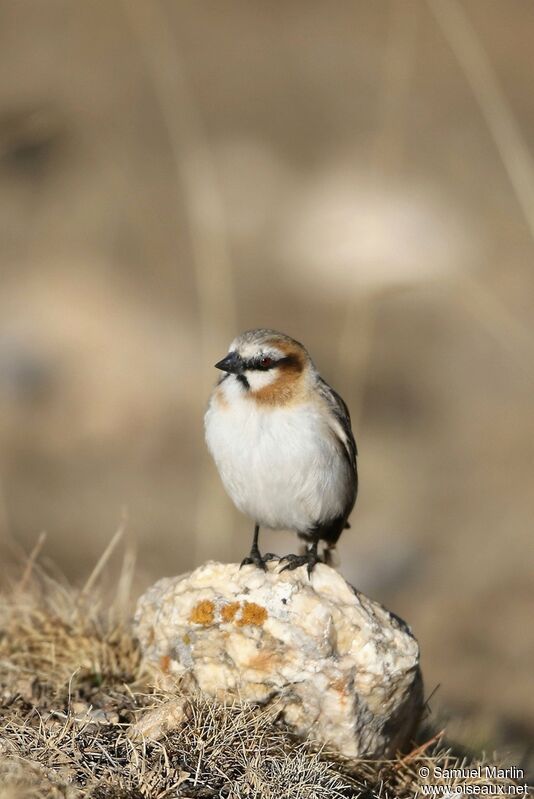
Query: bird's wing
[[340, 420]]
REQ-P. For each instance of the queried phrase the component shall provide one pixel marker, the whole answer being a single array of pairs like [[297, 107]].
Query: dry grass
[[72, 686]]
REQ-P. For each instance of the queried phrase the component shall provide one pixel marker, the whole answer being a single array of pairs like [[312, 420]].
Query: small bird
[[282, 441]]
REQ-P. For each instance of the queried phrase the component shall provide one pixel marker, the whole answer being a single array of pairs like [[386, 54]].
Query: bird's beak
[[232, 363]]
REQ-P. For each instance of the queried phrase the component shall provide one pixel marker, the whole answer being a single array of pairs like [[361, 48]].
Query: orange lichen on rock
[[228, 611], [252, 614], [203, 613]]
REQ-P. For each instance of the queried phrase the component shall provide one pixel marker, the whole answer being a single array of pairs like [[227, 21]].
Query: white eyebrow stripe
[[253, 351]]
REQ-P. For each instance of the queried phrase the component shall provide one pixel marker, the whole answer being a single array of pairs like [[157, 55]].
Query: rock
[[157, 722], [342, 669]]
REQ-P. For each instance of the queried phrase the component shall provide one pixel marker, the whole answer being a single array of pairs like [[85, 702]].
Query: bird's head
[[265, 365]]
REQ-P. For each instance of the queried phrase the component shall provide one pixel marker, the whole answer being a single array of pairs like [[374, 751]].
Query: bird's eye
[[266, 362]]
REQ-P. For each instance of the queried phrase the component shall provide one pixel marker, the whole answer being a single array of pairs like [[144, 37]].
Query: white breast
[[281, 466]]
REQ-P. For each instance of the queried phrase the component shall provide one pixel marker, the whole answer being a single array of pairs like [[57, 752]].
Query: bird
[[282, 441]]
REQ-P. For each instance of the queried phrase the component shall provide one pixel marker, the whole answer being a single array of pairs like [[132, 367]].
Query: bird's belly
[[281, 467]]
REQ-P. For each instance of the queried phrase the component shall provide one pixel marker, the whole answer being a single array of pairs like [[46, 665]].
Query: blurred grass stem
[[516, 157], [106, 555], [479, 73], [197, 184], [386, 156], [34, 554]]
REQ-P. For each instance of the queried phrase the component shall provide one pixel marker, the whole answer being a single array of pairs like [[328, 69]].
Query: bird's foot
[[309, 559], [255, 558]]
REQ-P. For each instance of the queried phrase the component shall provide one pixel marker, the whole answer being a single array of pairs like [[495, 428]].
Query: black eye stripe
[[255, 364], [263, 363]]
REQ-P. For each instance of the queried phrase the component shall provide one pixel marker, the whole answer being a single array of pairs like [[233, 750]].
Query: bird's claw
[[255, 558], [249, 561], [270, 556], [309, 559]]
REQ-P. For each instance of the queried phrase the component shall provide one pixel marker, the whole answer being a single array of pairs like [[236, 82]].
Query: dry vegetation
[[72, 687]]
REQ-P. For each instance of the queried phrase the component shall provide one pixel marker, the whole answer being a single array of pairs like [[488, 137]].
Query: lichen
[[253, 614], [229, 611], [203, 613]]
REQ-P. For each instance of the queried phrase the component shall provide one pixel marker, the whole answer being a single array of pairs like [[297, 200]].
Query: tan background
[[356, 174]]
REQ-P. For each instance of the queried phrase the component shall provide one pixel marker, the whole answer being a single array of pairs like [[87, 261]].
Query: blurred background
[[356, 174]]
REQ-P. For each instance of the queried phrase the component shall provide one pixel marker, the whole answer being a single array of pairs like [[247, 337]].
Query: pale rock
[[341, 669], [156, 722]]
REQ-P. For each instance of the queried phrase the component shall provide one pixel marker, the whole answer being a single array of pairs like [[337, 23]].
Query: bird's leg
[[309, 559], [254, 556]]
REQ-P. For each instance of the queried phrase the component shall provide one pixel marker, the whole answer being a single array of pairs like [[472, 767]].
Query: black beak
[[232, 363]]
